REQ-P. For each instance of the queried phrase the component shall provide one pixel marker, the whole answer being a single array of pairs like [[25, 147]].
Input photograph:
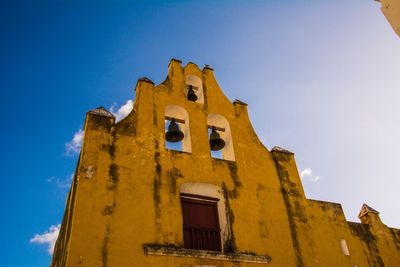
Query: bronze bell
[[191, 94], [174, 134], [216, 142]]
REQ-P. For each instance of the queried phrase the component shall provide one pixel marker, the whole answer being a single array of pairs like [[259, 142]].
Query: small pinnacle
[[366, 209]]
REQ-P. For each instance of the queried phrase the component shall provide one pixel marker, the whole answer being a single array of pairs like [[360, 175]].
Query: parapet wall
[[322, 234]]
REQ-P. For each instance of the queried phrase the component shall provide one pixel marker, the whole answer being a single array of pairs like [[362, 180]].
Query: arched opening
[[196, 85], [180, 116], [203, 206], [224, 131]]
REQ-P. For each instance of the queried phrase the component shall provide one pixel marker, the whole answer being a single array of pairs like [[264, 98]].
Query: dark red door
[[200, 223]]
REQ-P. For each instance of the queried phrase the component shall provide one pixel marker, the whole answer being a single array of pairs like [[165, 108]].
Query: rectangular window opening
[[200, 223]]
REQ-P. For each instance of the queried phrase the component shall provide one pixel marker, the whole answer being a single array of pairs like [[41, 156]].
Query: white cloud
[[61, 183], [307, 173], [48, 238], [122, 111], [74, 146], [315, 179]]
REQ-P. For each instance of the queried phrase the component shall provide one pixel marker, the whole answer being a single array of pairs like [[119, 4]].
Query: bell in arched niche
[[216, 142], [191, 95], [174, 134]]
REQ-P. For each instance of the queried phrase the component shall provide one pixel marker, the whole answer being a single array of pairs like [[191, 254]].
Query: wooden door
[[200, 223]]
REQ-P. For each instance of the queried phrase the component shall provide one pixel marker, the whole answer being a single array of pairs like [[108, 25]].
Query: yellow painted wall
[[125, 193]]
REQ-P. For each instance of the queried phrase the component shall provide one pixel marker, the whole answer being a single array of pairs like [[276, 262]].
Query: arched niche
[[198, 87], [227, 153], [213, 191], [180, 113]]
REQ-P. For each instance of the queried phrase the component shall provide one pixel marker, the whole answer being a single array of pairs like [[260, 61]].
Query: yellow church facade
[[184, 181]]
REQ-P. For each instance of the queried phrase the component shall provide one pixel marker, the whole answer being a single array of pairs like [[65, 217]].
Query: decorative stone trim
[[282, 150], [101, 111], [145, 79], [177, 60], [237, 101], [208, 67], [160, 250]]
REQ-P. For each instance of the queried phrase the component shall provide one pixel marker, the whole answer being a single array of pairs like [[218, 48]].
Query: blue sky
[[321, 79]]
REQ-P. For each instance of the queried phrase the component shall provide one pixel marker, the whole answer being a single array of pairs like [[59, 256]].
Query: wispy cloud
[[74, 146], [307, 173], [122, 111], [61, 183], [47, 238]]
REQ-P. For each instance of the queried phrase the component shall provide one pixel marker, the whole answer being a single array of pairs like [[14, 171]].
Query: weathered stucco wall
[[124, 206]]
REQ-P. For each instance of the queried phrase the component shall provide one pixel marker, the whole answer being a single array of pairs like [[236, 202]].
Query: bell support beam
[[193, 87], [216, 128], [174, 119]]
